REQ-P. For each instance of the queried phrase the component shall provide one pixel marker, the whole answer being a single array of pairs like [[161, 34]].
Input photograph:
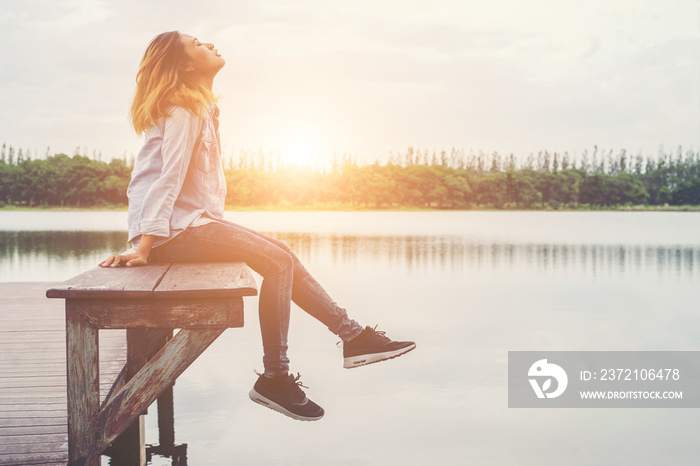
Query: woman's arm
[[139, 257], [180, 136]]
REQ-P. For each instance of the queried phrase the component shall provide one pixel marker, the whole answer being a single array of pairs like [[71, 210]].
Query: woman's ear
[[186, 67]]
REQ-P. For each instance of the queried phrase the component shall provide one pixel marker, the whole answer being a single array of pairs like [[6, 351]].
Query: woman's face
[[203, 59]]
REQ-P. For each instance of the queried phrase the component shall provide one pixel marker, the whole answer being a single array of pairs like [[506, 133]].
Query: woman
[[176, 208]]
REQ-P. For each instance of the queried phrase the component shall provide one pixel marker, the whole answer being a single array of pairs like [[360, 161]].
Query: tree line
[[414, 179]]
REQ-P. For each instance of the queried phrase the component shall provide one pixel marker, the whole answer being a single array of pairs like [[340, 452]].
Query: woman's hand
[[138, 257], [129, 260]]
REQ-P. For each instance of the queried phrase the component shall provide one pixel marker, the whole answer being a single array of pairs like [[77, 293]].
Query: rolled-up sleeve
[[180, 135]]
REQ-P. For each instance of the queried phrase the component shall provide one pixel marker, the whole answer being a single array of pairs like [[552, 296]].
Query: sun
[[300, 146], [297, 153]]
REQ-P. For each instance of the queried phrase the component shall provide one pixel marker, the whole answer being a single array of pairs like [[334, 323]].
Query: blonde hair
[[161, 83]]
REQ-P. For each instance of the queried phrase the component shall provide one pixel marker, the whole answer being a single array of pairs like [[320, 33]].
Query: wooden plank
[[111, 282], [33, 413], [83, 386], [33, 439], [157, 375], [38, 458], [40, 408], [36, 430], [193, 279], [207, 280], [160, 313], [17, 391], [40, 404], [50, 398], [48, 371], [22, 422], [22, 290]]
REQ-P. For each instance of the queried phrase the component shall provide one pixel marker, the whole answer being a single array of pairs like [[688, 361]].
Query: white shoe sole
[[364, 359], [261, 400]]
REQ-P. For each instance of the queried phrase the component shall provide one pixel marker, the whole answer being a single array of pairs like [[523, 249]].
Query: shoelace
[[293, 382], [298, 382], [379, 333], [295, 385]]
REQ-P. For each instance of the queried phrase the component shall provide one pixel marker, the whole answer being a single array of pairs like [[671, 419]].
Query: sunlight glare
[[300, 146]]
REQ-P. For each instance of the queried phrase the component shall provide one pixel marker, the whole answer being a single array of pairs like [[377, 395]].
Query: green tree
[[687, 193], [593, 189], [492, 190], [626, 188]]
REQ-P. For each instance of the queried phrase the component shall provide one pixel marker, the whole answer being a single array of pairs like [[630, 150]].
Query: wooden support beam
[[130, 446], [166, 419], [162, 313], [202, 299], [116, 386], [82, 357], [159, 373], [157, 338]]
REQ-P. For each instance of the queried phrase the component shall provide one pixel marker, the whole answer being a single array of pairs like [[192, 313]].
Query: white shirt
[[178, 178]]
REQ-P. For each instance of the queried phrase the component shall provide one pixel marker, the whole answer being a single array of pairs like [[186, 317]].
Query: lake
[[467, 287]]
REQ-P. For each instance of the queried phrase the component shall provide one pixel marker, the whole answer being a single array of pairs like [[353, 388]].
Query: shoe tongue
[[297, 392]]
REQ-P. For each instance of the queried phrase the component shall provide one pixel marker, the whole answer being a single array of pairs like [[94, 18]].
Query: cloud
[[506, 75]]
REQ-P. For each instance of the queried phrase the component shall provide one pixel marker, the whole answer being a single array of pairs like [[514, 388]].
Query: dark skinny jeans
[[284, 280]]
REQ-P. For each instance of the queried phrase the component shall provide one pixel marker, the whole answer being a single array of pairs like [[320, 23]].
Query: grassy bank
[[339, 207]]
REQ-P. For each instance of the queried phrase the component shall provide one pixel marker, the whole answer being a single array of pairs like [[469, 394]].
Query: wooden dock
[[33, 416]]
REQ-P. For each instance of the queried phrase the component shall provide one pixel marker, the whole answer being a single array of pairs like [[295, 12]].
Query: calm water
[[467, 287]]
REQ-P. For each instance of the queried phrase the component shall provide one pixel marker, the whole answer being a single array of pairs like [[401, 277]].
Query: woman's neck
[[206, 82]]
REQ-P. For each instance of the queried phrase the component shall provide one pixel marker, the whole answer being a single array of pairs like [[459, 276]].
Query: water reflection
[[467, 300], [122, 453], [24, 254], [421, 254], [59, 244]]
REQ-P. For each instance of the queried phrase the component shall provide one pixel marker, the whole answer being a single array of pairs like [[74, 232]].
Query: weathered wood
[[166, 418], [178, 280], [130, 447], [107, 282], [32, 422], [34, 413], [136, 351], [83, 386], [34, 381], [162, 313], [158, 374], [38, 458], [202, 299], [116, 386], [24, 431], [26, 402], [206, 280], [157, 339], [40, 438]]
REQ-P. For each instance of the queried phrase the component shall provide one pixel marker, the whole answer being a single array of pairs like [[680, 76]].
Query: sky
[[309, 79]]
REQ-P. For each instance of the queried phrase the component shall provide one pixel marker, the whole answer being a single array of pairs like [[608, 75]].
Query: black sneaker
[[372, 346], [282, 394]]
